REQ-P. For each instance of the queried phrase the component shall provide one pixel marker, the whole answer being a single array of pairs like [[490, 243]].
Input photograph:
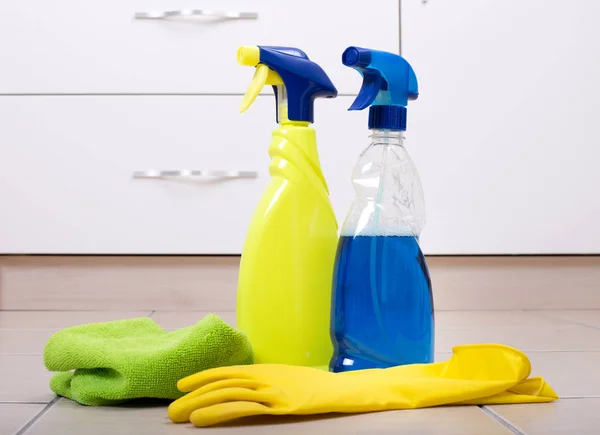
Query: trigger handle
[[371, 85]]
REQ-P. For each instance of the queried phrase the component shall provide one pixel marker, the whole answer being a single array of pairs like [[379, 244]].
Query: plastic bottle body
[[382, 309], [284, 289]]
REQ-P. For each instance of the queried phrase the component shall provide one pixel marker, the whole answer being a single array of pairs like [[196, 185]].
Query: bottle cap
[[296, 80], [389, 82]]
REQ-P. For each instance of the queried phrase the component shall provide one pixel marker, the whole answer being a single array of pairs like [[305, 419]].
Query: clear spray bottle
[[382, 307]]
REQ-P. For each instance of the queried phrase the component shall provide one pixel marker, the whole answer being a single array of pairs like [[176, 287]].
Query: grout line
[[441, 352], [30, 329], [562, 350], [474, 256], [142, 94], [592, 396], [38, 416], [21, 354], [194, 311], [446, 351], [21, 310], [501, 420], [470, 310], [25, 402], [122, 94], [573, 322], [597, 328]]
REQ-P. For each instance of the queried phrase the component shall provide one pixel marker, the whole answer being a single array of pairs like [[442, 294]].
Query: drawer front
[[505, 128], [66, 172], [70, 46]]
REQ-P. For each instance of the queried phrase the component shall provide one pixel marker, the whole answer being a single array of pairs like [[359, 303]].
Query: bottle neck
[[289, 123], [282, 110], [282, 104], [387, 137]]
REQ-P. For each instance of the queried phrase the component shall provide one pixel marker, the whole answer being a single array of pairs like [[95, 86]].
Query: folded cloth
[[118, 361], [481, 374]]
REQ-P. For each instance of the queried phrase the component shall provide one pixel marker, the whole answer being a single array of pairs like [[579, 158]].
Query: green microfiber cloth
[[128, 359]]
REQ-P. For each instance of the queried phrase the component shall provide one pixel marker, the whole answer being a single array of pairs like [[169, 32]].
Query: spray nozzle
[[388, 81], [296, 80]]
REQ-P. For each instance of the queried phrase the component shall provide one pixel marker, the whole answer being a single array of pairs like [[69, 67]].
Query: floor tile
[[582, 317], [569, 373], [66, 415], [14, 416], [119, 282], [515, 282], [26, 332], [544, 337], [484, 319], [23, 378], [24, 341], [176, 320], [571, 416], [60, 319], [526, 330]]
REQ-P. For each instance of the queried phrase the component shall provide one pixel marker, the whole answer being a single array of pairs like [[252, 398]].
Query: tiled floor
[[564, 347]]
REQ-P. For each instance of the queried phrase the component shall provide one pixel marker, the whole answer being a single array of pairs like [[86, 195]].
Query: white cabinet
[[66, 172], [504, 132], [73, 46], [88, 95]]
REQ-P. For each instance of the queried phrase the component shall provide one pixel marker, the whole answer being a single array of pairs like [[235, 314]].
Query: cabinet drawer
[[70, 46], [66, 183]]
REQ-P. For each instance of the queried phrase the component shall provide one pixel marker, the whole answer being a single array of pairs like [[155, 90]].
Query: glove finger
[[224, 384], [200, 379], [180, 410], [223, 412]]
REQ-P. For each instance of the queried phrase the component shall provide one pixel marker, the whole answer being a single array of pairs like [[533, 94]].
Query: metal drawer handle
[[194, 174], [185, 13]]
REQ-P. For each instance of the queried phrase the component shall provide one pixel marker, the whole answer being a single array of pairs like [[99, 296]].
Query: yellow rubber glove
[[475, 374]]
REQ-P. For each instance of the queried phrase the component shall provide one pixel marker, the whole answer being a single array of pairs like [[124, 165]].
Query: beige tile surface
[[582, 317], [544, 337], [176, 320], [493, 319], [569, 417], [61, 319], [118, 283], [569, 373], [14, 416], [66, 415], [24, 341], [27, 332], [23, 378], [515, 283], [571, 369], [209, 283]]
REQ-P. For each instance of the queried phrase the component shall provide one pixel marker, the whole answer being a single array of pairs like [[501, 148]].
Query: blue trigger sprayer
[[382, 307]]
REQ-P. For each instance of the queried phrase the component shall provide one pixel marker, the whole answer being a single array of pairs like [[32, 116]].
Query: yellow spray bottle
[[284, 288]]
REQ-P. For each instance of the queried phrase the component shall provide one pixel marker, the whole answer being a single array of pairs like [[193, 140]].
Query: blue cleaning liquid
[[382, 304]]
